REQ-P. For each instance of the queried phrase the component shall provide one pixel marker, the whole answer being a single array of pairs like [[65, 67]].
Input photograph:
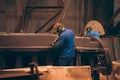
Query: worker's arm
[[59, 43], [54, 41]]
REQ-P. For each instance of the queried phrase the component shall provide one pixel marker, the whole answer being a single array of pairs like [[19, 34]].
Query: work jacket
[[93, 33], [65, 43]]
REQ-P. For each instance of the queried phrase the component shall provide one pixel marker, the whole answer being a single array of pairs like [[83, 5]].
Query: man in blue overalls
[[65, 45]]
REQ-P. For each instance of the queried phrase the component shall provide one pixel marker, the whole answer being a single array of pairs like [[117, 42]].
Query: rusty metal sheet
[[35, 42]]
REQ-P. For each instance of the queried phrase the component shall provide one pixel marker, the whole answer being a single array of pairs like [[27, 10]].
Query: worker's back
[[68, 47], [93, 33]]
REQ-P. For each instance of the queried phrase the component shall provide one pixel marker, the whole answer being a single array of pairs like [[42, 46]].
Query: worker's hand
[[84, 36], [52, 43]]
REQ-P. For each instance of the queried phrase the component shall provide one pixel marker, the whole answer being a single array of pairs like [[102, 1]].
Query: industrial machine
[[89, 50]]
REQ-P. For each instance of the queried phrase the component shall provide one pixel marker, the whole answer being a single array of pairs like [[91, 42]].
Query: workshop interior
[[27, 28]]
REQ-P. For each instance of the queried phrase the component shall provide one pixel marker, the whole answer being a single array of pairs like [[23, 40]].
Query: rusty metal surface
[[16, 39], [105, 62], [93, 48], [36, 42], [25, 42]]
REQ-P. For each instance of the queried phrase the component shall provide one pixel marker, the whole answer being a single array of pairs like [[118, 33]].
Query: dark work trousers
[[66, 61]]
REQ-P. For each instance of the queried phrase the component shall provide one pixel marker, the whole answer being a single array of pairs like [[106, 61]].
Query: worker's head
[[88, 29], [59, 27]]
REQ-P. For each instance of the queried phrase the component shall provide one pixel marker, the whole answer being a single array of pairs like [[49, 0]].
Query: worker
[[64, 45], [90, 32]]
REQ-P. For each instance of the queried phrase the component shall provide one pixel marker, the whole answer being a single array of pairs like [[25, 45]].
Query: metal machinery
[[93, 52], [89, 50]]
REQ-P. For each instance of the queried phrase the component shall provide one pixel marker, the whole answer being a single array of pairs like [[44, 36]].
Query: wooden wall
[[75, 14]]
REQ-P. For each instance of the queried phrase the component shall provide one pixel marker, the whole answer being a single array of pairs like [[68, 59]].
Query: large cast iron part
[[94, 52], [105, 63], [37, 44]]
